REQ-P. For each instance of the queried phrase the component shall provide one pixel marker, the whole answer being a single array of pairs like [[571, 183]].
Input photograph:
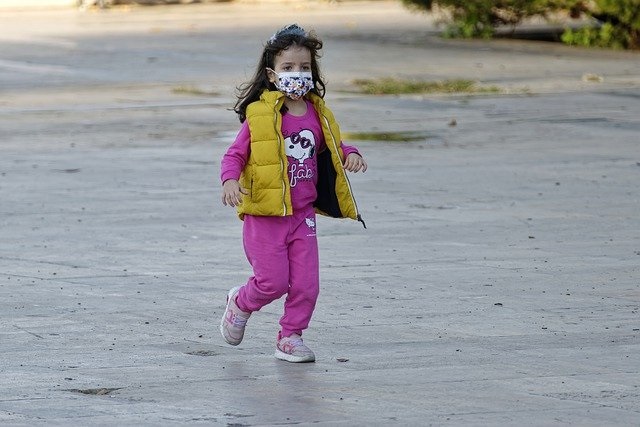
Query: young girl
[[286, 164]]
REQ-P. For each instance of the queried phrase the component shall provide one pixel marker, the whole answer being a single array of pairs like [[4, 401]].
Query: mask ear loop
[[273, 82]]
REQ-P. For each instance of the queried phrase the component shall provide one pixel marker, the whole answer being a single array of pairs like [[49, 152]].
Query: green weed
[[392, 86]]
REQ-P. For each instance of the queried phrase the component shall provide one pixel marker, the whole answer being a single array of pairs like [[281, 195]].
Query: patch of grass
[[392, 86], [192, 90], [385, 136]]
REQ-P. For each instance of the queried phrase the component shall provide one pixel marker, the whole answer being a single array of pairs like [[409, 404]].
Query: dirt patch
[[204, 353], [103, 391]]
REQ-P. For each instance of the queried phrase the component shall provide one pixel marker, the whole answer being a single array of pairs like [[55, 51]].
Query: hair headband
[[289, 30]]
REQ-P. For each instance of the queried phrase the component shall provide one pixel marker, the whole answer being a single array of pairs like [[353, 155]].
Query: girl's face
[[294, 58]]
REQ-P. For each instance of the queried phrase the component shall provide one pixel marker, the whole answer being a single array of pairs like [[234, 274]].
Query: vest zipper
[[335, 146], [284, 185]]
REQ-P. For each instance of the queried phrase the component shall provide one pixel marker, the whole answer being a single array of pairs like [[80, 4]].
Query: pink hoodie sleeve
[[235, 158], [348, 149]]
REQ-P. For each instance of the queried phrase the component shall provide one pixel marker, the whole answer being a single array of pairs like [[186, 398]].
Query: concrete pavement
[[497, 283]]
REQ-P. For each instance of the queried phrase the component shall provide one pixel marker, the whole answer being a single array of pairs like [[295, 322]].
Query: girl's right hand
[[232, 193]]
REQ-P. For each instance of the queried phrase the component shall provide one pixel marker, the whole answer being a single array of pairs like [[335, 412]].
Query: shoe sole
[[231, 293], [294, 359]]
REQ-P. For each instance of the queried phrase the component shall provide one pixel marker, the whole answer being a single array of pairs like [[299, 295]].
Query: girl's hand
[[354, 163], [232, 193]]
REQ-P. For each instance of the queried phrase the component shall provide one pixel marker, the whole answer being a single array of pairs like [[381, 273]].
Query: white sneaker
[[234, 320], [292, 349]]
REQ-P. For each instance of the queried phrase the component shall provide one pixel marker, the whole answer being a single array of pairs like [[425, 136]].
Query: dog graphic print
[[300, 146]]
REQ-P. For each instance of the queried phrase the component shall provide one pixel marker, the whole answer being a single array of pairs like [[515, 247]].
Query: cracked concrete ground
[[497, 283]]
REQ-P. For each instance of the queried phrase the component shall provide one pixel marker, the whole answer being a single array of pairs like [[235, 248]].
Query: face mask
[[294, 84]]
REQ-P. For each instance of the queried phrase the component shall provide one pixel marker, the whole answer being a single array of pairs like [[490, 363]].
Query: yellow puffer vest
[[265, 174]]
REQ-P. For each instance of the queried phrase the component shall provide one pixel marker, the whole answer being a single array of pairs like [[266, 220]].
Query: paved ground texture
[[497, 283]]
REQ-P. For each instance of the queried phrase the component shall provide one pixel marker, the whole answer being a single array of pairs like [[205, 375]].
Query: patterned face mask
[[294, 84]]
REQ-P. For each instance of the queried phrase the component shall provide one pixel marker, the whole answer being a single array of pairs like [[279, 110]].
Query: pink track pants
[[283, 252]]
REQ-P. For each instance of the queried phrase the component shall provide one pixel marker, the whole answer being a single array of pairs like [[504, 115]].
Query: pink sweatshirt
[[303, 141]]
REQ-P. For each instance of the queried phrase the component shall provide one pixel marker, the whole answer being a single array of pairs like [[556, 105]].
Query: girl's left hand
[[354, 163]]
